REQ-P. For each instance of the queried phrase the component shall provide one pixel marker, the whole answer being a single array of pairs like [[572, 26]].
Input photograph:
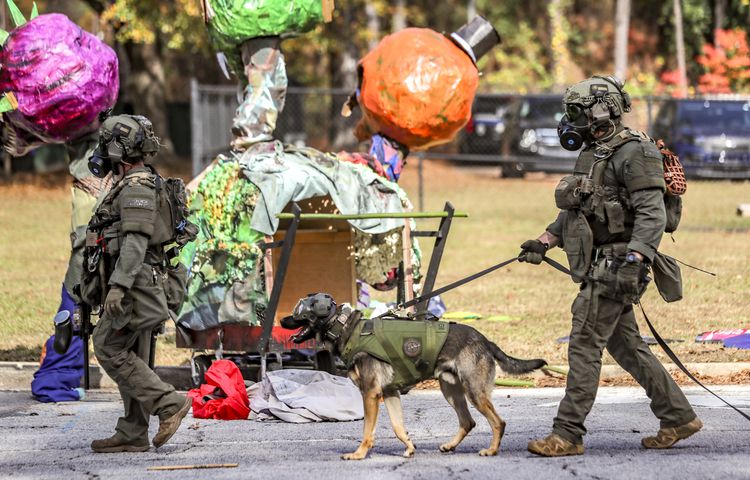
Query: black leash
[[455, 284], [672, 356]]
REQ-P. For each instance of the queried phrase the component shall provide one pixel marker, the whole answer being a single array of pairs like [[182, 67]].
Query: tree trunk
[[680, 39], [622, 27], [143, 87], [373, 25], [399, 16], [720, 9], [559, 43], [343, 74]]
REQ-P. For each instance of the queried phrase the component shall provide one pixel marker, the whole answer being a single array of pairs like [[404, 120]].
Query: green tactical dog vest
[[411, 347]]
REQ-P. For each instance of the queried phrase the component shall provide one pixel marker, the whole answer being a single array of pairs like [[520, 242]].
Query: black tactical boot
[[116, 443]]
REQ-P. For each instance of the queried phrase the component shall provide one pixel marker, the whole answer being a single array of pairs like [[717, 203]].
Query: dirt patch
[[21, 353]]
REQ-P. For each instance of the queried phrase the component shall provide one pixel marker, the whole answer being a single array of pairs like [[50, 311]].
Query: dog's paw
[[408, 453], [447, 447], [353, 456], [488, 452]]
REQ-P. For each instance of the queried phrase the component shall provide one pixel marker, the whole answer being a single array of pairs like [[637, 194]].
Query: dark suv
[[712, 137], [481, 136], [530, 140]]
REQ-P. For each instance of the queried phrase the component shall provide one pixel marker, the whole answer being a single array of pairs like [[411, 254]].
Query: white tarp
[[300, 396]]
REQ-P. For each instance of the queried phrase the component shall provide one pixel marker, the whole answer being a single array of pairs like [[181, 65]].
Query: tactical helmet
[[313, 314], [123, 138], [589, 105]]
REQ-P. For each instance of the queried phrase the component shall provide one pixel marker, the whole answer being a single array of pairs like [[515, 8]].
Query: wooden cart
[[311, 252]]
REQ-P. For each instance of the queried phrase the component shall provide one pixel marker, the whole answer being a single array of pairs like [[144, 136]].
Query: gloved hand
[[628, 279], [113, 303], [532, 251]]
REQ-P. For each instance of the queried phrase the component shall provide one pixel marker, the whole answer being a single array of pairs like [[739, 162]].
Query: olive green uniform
[[134, 260], [629, 215]]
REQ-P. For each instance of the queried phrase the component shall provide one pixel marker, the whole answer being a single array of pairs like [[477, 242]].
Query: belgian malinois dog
[[464, 367]]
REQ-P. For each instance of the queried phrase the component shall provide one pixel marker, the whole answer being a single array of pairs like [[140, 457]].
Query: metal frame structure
[[247, 338]]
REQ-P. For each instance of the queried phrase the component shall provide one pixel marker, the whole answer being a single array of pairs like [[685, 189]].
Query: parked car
[[711, 137], [530, 139], [482, 134]]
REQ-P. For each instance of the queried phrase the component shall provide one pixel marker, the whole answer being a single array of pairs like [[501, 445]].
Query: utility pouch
[[175, 286], [112, 239], [568, 193], [578, 243], [615, 216], [667, 277], [91, 285]]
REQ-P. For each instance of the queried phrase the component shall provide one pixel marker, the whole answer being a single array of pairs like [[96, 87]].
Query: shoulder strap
[[606, 149]]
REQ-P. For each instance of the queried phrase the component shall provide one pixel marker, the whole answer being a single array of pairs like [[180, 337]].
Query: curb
[[18, 375]]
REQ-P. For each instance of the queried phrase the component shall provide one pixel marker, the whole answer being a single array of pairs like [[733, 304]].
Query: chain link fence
[[518, 133]]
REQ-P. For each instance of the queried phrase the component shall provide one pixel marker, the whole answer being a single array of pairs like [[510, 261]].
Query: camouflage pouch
[[568, 193], [667, 277]]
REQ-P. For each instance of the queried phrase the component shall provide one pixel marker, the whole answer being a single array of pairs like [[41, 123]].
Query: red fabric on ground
[[223, 396]]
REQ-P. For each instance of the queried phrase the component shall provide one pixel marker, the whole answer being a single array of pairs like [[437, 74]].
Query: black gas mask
[[579, 123], [100, 164]]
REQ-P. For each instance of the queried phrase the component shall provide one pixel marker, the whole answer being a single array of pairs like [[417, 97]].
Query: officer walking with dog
[[611, 221], [126, 271]]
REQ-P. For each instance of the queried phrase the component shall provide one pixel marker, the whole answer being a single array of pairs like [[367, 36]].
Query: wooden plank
[[328, 6], [408, 268], [192, 467], [268, 265], [321, 262]]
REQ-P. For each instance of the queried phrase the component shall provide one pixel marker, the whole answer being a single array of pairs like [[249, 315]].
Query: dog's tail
[[514, 366]]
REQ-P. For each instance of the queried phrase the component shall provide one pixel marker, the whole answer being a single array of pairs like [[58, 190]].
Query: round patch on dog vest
[[412, 347]]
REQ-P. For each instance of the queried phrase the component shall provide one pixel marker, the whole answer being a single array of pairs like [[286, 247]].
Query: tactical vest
[[411, 347], [157, 211], [586, 195]]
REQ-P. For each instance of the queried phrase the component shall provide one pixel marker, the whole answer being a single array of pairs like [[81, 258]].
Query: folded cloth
[[301, 396]]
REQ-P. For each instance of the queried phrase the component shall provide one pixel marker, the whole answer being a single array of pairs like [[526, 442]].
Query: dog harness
[[411, 347]]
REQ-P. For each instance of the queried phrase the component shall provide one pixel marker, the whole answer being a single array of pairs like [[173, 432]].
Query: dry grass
[[34, 222]]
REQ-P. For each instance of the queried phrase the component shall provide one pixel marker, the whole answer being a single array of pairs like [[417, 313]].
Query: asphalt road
[[51, 441]]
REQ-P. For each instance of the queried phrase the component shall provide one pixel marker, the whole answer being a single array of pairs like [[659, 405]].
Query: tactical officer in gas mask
[[124, 272], [611, 221]]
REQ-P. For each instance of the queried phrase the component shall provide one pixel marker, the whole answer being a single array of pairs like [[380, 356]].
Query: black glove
[[532, 251], [628, 280], [113, 304]]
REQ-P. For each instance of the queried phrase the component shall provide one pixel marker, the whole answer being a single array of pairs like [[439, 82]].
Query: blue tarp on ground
[[740, 341]]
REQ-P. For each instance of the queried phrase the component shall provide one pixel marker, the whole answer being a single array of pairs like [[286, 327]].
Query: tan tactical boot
[[116, 443], [553, 445], [666, 437], [169, 426]]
